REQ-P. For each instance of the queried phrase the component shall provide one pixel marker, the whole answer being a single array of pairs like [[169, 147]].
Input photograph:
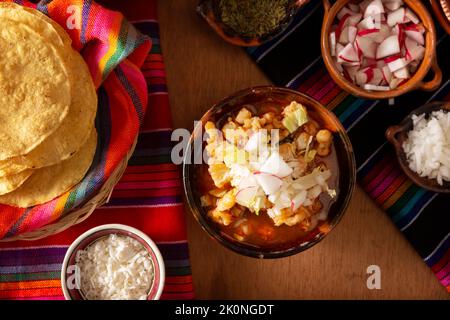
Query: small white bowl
[[96, 233]]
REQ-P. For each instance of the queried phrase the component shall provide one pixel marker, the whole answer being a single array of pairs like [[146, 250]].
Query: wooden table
[[202, 69]]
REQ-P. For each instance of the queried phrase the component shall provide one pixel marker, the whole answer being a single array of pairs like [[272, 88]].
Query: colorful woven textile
[[294, 59], [114, 51], [148, 197]]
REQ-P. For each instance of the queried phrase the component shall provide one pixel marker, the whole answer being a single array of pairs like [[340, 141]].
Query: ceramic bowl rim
[[114, 226]]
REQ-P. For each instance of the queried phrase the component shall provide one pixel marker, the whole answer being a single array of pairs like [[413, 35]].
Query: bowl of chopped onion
[[380, 49], [113, 262], [268, 172], [422, 144]]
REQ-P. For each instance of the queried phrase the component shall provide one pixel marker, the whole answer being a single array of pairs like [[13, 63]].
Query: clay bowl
[[345, 162], [397, 136], [207, 9], [441, 10], [415, 82]]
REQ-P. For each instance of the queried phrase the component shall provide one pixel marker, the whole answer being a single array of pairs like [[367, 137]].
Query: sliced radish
[[392, 5], [349, 54], [397, 29], [388, 47], [339, 66], [353, 7], [351, 72], [366, 23], [415, 27], [377, 44], [352, 31], [380, 64], [392, 58], [276, 165], [373, 87], [377, 77], [364, 76], [416, 36], [402, 73], [368, 32], [339, 48], [298, 200], [364, 4], [414, 51], [387, 74], [268, 182], [333, 43], [344, 11], [375, 7], [393, 84], [255, 141], [369, 62], [246, 196], [413, 66], [412, 16], [385, 32], [354, 19], [343, 37], [397, 64], [341, 25], [396, 17]]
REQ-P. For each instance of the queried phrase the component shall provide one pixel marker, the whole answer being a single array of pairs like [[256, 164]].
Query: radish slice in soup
[[268, 182], [276, 165]]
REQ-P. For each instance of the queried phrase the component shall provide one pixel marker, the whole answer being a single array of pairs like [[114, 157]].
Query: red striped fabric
[[148, 197]]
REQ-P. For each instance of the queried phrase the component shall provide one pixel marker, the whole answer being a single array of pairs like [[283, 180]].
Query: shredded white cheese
[[115, 267], [428, 146]]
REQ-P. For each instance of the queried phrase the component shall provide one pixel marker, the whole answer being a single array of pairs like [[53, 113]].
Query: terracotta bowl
[[415, 82], [441, 10], [397, 136], [208, 11], [192, 172]]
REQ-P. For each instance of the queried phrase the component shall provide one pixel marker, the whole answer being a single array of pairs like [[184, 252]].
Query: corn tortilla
[[11, 183], [35, 92], [75, 129], [47, 183]]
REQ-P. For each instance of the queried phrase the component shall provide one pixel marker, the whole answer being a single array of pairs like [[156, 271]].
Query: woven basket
[[82, 213]]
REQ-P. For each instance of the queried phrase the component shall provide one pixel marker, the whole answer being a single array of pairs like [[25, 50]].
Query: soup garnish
[[272, 173]]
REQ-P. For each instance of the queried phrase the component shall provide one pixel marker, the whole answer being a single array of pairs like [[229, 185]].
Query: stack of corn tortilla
[[48, 105]]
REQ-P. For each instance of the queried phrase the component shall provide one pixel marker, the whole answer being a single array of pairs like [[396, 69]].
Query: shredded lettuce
[[295, 115]]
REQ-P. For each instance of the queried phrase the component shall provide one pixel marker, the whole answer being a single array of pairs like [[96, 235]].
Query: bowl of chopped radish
[[380, 49]]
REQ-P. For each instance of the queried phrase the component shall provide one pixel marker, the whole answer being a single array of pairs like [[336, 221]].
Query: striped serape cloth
[[293, 59], [148, 196]]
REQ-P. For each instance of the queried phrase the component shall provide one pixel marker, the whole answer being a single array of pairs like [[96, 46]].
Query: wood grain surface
[[201, 70]]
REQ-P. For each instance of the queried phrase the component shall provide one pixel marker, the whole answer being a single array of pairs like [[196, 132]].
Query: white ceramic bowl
[[93, 235]]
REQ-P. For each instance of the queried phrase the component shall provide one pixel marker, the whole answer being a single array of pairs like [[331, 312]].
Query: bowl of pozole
[[268, 172]]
